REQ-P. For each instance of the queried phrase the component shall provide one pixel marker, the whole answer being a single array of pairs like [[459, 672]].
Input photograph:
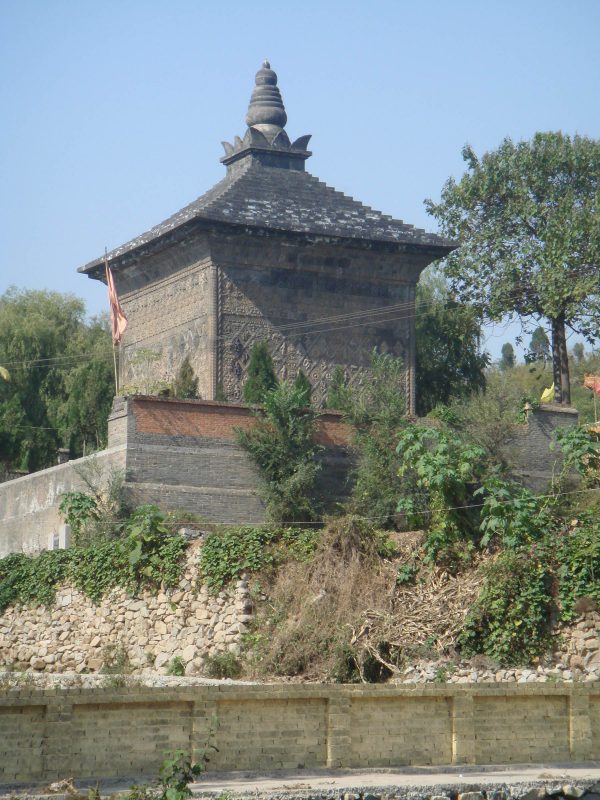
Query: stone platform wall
[[103, 733], [183, 456], [147, 631]]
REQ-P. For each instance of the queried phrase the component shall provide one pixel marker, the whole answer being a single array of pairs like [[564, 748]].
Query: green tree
[[376, 409], [282, 446], [304, 386], [527, 219], [90, 389], [578, 352], [185, 385], [261, 374], [539, 346], [60, 390], [507, 360], [337, 391], [448, 361]]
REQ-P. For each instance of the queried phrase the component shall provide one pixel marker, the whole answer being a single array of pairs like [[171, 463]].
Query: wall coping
[[56, 469], [231, 691], [327, 412]]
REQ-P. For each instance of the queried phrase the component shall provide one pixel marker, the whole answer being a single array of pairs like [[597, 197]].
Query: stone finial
[[266, 111]]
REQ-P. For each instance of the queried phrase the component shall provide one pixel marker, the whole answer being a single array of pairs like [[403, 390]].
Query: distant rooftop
[[266, 187]]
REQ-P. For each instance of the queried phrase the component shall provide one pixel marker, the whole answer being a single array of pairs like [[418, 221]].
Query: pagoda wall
[[167, 298], [266, 286]]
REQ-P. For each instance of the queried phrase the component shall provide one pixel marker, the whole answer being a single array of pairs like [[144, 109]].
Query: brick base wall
[[107, 733]]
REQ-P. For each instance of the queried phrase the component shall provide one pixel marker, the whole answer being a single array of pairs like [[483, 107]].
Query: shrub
[[228, 552], [176, 666], [149, 557], [440, 472], [510, 621], [223, 665], [579, 565], [261, 374], [282, 446], [185, 385], [377, 411]]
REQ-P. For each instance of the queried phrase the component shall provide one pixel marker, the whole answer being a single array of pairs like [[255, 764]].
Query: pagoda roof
[[266, 187]]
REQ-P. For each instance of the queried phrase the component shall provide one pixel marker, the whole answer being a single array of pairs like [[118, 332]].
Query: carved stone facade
[[270, 253]]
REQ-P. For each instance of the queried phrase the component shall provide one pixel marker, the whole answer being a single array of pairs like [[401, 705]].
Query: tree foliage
[[185, 385], [282, 446], [507, 359], [303, 384], [61, 379], [539, 346], [449, 363], [377, 411], [337, 391], [261, 374], [527, 219]]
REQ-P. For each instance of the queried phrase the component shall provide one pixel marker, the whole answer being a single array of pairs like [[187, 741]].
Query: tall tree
[[527, 219], [449, 361], [261, 374], [507, 360], [539, 346], [60, 391], [579, 352], [185, 385]]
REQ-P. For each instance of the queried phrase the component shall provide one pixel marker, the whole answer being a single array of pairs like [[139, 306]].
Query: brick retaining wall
[[107, 733]]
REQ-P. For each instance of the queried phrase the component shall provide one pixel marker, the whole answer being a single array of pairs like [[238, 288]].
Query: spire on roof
[[266, 140], [266, 111]]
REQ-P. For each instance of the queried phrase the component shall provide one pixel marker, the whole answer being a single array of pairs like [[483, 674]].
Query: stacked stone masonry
[[100, 733], [149, 631]]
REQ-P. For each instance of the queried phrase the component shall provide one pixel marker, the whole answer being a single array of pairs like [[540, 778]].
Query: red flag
[[117, 317]]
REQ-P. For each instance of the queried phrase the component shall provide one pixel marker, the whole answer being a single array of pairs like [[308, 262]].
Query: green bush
[[510, 621], [511, 515], [261, 374], [282, 446], [229, 552], [440, 472], [176, 666], [185, 385], [579, 565], [149, 557], [377, 411], [223, 665]]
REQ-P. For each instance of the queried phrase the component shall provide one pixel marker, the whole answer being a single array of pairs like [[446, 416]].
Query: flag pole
[[113, 344]]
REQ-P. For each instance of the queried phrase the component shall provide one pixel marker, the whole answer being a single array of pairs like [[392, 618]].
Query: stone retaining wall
[[146, 631], [103, 733]]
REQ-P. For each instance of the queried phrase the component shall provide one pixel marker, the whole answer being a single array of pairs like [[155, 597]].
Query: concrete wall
[[29, 505], [103, 733]]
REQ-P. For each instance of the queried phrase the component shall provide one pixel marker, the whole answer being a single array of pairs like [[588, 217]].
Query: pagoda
[[273, 254]]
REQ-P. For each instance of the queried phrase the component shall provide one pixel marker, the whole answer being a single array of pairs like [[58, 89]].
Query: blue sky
[[113, 112]]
